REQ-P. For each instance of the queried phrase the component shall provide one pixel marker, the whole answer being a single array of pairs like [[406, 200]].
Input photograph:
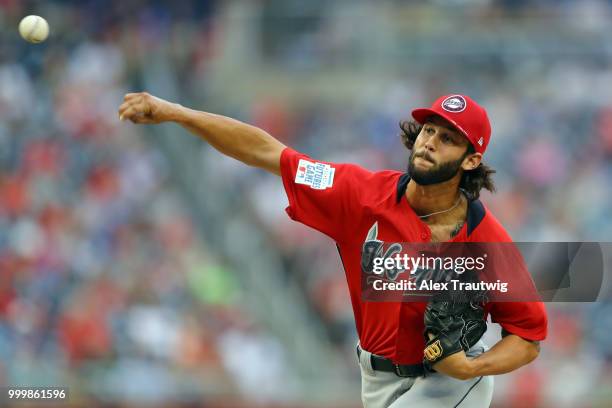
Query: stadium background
[[141, 268]]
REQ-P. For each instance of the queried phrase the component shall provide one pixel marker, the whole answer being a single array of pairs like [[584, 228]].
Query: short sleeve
[[323, 195], [518, 311], [524, 319]]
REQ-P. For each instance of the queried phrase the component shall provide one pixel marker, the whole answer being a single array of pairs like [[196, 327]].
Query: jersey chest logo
[[372, 249], [377, 261]]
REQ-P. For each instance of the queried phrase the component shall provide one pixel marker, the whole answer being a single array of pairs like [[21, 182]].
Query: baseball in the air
[[34, 29]]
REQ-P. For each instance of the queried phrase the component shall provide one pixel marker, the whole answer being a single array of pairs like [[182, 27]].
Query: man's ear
[[471, 161]]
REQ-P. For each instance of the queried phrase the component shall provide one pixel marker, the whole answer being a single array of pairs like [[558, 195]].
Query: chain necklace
[[443, 211]]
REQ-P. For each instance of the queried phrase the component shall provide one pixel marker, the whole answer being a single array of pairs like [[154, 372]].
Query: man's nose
[[430, 143]]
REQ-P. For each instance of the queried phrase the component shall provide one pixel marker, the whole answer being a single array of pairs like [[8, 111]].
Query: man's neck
[[430, 199]]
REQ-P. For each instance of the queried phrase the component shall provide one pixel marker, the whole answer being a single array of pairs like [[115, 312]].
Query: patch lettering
[[318, 176]]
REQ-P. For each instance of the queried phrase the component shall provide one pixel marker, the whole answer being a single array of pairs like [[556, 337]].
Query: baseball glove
[[456, 321]]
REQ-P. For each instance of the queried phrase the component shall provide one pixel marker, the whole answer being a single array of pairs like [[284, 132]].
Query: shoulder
[[489, 229]]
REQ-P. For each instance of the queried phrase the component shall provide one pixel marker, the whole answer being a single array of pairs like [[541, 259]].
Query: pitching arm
[[243, 142]]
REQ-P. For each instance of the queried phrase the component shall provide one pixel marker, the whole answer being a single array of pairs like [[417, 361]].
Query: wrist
[[175, 113]]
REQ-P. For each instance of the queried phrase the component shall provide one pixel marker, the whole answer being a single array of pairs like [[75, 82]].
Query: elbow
[[267, 156], [533, 352]]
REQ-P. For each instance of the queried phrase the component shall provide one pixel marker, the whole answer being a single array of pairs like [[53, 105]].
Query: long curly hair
[[472, 181]]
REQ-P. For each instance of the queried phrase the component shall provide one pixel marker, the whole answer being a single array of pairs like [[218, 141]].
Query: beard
[[438, 173]]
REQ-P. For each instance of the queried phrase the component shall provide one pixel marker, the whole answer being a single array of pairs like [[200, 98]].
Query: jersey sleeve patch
[[318, 176]]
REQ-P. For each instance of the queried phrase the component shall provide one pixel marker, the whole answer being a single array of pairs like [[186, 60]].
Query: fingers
[[135, 116], [128, 112], [140, 119], [141, 107], [133, 95], [135, 105]]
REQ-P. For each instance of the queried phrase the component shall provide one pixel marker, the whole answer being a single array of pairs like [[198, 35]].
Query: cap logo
[[480, 141], [454, 104]]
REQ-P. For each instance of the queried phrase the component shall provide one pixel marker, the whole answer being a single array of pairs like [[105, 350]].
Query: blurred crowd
[[107, 286], [104, 285]]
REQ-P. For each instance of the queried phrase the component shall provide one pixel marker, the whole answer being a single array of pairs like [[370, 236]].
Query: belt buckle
[[398, 371]]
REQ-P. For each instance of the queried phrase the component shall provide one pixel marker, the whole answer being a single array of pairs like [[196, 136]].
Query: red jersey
[[344, 201]]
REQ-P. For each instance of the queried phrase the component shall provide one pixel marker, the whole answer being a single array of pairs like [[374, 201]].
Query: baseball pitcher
[[411, 354]]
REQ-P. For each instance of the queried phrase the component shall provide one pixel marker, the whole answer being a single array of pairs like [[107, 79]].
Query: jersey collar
[[475, 211]]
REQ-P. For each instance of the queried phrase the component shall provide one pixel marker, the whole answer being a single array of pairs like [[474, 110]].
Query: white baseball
[[34, 29]]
